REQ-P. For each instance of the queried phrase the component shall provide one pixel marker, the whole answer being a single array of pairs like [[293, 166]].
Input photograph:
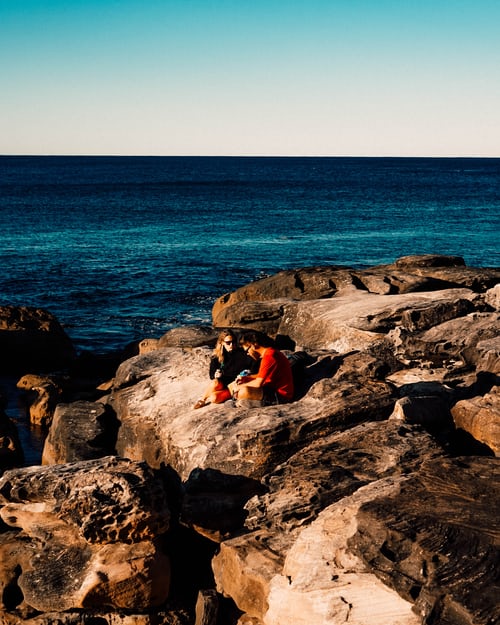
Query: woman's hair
[[219, 346], [256, 338]]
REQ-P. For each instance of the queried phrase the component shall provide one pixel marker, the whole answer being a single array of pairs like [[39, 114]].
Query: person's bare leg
[[249, 392], [205, 399]]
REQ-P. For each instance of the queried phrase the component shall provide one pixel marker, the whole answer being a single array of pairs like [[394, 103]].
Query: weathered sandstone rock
[[394, 551], [480, 417], [148, 345], [189, 336], [410, 274], [153, 398], [492, 297], [327, 471], [80, 431], [87, 537], [436, 541], [325, 583], [44, 393], [98, 617], [357, 321]]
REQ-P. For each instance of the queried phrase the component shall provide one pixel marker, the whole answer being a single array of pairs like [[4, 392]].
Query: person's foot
[[200, 403]]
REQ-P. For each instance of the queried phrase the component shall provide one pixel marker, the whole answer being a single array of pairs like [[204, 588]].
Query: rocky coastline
[[371, 499]]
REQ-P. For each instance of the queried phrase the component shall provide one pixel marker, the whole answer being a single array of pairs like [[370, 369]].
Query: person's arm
[[250, 380], [256, 380], [214, 365]]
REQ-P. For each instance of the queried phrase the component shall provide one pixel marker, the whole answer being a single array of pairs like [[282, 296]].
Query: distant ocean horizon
[[121, 248]]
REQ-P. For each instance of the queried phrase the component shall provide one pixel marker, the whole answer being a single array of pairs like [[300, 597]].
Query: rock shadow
[[213, 501]]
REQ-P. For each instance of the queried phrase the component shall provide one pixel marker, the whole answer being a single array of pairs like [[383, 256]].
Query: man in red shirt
[[273, 382]]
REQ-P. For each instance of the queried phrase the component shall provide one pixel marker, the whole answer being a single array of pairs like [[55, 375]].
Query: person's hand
[[218, 374]]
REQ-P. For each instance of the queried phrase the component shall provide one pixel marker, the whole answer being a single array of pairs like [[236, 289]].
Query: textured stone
[[74, 493], [189, 336], [492, 297], [243, 569], [99, 617], [320, 581], [43, 394], [333, 467], [356, 321], [480, 417], [430, 412], [409, 274], [80, 431], [436, 540], [87, 536], [153, 399]]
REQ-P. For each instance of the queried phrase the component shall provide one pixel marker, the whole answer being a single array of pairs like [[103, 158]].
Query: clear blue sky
[[264, 77]]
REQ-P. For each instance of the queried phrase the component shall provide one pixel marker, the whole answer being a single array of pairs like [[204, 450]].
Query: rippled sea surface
[[121, 248]]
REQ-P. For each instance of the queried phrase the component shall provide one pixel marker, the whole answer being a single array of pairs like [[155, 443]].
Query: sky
[[250, 77]]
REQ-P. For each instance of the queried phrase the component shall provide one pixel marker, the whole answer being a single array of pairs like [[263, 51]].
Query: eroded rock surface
[[81, 430], [86, 537]]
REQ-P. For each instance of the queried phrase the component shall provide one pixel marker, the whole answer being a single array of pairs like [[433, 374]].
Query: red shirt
[[276, 372]]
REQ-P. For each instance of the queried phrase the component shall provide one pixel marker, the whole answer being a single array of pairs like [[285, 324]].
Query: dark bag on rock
[[298, 362]]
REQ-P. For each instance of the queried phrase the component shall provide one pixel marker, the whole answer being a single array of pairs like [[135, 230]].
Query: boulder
[[329, 470], [429, 260], [265, 316], [42, 393], [492, 297], [323, 582], [435, 534], [154, 395], [360, 320], [87, 537], [410, 274], [80, 430], [393, 551], [189, 336], [101, 617], [480, 417]]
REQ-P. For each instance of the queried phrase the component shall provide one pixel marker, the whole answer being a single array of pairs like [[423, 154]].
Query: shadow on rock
[[213, 502]]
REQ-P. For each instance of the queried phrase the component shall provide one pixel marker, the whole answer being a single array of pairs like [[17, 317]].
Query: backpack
[[298, 362]]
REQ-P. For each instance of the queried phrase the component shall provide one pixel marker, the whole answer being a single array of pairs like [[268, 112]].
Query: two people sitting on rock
[[228, 360], [273, 382]]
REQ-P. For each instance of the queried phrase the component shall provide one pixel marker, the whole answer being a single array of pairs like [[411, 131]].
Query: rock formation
[[372, 498], [83, 536]]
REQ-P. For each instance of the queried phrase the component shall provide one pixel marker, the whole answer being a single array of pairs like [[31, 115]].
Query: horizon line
[[112, 155]]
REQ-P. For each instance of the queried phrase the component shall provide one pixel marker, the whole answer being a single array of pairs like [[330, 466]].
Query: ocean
[[123, 248]]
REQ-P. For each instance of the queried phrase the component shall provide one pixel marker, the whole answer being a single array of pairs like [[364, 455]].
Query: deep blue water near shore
[[122, 248]]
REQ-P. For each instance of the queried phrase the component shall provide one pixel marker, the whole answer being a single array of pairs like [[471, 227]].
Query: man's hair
[[256, 338]]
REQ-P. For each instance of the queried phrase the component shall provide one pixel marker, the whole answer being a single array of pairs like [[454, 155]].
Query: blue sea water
[[122, 248]]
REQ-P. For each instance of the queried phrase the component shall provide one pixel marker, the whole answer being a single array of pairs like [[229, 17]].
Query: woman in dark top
[[227, 362]]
